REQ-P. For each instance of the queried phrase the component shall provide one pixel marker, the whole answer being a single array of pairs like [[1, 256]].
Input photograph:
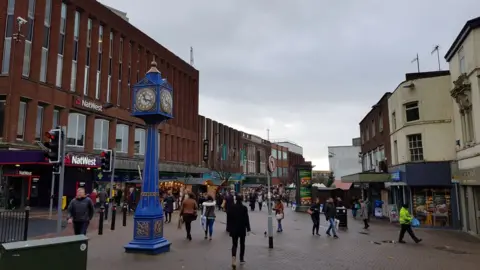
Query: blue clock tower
[[153, 102]]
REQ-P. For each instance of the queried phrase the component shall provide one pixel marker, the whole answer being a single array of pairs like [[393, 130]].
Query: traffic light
[[106, 158], [53, 144]]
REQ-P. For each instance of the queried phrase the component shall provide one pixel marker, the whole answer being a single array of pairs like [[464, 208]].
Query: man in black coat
[[229, 202], [238, 227]]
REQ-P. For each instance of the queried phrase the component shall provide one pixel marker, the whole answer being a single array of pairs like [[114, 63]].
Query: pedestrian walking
[[279, 214], [406, 225], [260, 200], [253, 201], [364, 213], [209, 216], [238, 228], [355, 207], [168, 209], [330, 213], [227, 203], [80, 212], [314, 212], [188, 212]]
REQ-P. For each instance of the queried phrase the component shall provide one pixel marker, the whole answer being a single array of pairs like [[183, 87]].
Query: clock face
[[166, 101], [145, 99]]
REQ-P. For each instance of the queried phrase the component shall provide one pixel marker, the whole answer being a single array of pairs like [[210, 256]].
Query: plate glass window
[[22, 113], [100, 140], [61, 45], [9, 28], [56, 118], [27, 54], [76, 130], [39, 123], [2, 115], [411, 111], [139, 144], [45, 41], [121, 138]]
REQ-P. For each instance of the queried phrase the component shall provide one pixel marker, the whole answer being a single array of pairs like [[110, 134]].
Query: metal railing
[[14, 225]]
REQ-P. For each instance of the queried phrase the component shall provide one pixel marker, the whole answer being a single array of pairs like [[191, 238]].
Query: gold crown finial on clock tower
[[153, 68]]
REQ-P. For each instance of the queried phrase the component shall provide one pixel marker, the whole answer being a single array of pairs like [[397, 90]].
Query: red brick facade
[[179, 137]]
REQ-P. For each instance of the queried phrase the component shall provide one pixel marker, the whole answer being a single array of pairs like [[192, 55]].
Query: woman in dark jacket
[[238, 227], [314, 212], [169, 200]]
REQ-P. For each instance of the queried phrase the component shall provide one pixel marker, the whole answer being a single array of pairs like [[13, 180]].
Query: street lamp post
[[153, 102]]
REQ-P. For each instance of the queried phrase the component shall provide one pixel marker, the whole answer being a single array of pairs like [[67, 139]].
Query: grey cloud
[[318, 64]]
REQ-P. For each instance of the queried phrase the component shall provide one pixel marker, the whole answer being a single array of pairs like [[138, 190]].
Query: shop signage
[[87, 104], [395, 176], [80, 160], [205, 150], [24, 173]]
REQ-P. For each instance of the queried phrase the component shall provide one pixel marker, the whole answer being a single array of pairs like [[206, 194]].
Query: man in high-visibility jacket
[[406, 226]]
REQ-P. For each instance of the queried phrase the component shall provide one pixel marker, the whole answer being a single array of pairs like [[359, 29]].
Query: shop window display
[[432, 206]]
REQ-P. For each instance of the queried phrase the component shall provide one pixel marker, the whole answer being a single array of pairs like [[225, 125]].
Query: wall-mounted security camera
[[21, 20]]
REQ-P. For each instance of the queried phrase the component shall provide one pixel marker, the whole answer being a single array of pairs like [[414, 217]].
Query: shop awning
[[366, 177]]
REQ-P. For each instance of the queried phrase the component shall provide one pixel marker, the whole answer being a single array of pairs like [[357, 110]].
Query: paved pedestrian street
[[295, 248]]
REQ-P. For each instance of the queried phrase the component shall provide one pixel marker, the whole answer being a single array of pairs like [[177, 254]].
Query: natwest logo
[[80, 160], [88, 104]]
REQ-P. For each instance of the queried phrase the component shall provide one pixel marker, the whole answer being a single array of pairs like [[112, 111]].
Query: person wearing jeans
[[330, 213], [209, 216], [80, 211]]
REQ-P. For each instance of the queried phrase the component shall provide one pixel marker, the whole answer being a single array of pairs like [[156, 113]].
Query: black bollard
[[100, 224], [114, 213], [125, 209], [106, 211]]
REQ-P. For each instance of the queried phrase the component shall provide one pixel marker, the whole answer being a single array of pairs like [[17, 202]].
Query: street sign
[[272, 166]]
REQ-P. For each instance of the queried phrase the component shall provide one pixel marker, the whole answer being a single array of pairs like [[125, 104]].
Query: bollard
[[125, 209], [27, 219], [112, 217], [100, 224], [106, 211]]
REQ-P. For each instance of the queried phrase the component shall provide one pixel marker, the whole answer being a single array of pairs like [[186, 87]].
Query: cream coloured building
[[422, 138], [464, 63]]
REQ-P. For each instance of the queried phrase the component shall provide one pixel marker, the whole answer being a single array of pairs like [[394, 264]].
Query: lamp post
[[153, 102]]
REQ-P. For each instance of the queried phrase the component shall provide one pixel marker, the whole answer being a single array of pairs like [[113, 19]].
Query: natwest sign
[[88, 104], [80, 160]]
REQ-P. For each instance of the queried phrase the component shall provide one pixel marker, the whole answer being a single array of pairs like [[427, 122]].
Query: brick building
[[221, 148], [254, 162], [70, 59]]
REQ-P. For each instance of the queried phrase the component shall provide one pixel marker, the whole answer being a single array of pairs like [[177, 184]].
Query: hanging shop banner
[[305, 187]]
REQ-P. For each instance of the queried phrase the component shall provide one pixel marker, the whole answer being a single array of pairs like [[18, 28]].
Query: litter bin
[[342, 217], [68, 252]]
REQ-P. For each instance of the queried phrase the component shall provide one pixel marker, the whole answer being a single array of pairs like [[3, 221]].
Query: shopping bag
[[203, 221], [415, 222], [180, 222], [279, 216]]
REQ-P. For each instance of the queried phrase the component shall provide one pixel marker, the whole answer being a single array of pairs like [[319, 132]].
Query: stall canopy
[[291, 186]]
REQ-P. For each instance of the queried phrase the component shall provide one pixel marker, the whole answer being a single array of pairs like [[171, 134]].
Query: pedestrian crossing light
[[106, 158], [53, 144]]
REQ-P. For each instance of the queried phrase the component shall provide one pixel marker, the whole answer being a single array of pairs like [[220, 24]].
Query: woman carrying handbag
[[188, 213], [279, 214], [314, 212]]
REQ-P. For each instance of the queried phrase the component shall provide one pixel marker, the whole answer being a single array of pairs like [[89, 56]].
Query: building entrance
[[16, 190]]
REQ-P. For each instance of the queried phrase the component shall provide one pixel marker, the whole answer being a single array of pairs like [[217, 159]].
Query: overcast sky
[[308, 70]]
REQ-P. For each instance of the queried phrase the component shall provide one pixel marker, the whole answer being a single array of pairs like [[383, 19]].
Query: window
[[121, 138], [466, 121], [461, 61], [119, 86], [61, 45], [110, 68], [274, 153], [380, 122], [285, 155], [39, 123], [27, 54], [411, 111], [373, 128], [87, 62], [56, 118], [99, 67], [2, 114], [100, 136], [415, 146], [285, 172], [7, 47], [46, 41], [22, 114], [395, 152], [139, 144], [76, 33], [76, 130], [394, 121]]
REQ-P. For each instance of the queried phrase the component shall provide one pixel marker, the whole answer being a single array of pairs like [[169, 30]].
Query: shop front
[[469, 190], [428, 189]]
